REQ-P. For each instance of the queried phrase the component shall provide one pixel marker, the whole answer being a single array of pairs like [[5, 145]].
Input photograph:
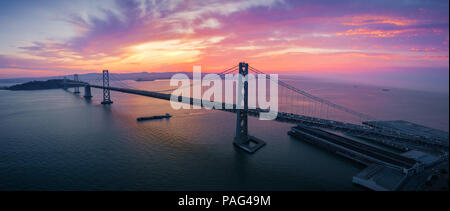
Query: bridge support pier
[[65, 83], [242, 139], [76, 88], [106, 90], [87, 92]]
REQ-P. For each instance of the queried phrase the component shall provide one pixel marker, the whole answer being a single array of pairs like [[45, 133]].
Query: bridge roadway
[[300, 119], [163, 96]]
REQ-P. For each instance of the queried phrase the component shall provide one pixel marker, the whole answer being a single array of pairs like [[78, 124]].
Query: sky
[[401, 42]]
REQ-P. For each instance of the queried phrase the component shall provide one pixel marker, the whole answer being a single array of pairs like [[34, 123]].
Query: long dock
[[385, 170], [360, 152]]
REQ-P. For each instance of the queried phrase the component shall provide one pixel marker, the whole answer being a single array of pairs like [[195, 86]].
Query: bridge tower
[[241, 121], [242, 139], [76, 88], [106, 91]]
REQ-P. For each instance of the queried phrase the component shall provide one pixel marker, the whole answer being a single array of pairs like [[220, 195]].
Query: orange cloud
[[372, 19], [374, 32]]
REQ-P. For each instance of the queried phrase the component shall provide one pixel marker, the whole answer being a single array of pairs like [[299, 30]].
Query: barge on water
[[167, 116]]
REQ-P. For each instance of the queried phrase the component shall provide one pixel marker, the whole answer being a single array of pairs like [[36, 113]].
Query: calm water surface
[[55, 140]]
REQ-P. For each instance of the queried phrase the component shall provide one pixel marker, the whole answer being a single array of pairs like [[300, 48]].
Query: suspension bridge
[[297, 106], [317, 121]]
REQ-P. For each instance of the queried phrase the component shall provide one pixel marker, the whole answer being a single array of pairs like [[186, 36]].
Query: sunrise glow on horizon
[[64, 37]]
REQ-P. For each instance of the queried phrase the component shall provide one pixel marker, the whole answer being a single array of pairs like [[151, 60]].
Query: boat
[[144, 79], [167, 116]]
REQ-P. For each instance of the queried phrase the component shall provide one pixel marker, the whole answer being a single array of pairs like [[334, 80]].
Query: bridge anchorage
[[106, 89], [243, 140], [76, 88], [87, 92]]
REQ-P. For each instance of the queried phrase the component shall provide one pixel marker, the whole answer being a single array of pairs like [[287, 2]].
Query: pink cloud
[[277, 35]]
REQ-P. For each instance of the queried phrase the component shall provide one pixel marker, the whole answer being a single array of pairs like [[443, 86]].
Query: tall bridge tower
[[242, 100], [106, 90], [242, 139], [76, 88]]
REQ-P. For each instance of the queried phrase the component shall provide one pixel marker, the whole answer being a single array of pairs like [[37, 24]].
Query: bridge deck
[[300, 119], [192, 101]]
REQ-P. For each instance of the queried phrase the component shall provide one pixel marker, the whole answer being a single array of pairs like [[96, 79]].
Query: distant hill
[[55, 82], [143, 76], [39, 85]]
